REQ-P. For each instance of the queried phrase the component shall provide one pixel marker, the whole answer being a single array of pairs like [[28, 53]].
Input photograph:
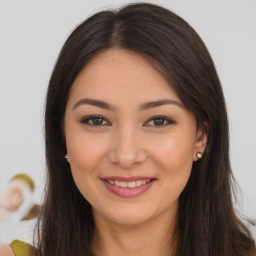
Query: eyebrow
[[158, 103], [93, 102], [144, 106]]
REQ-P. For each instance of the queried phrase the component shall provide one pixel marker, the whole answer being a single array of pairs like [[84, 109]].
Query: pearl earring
[[66, 157], [199, 155]]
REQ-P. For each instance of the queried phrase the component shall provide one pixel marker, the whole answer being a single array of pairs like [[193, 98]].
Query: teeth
[[130, 184], [123, 184], [138, 183]]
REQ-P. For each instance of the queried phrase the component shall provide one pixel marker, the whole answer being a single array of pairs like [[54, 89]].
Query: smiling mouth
[[128, 187], [129, 184]]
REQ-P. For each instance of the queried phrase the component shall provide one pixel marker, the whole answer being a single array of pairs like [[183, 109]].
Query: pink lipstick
[[128, 187]]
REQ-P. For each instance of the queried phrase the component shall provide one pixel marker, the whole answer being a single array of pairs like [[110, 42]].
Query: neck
[[154, 237]]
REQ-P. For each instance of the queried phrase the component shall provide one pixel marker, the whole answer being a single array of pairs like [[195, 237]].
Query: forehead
[[121, 74]]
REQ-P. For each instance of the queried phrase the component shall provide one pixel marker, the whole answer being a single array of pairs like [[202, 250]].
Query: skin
[[130, 143], [5, 250]]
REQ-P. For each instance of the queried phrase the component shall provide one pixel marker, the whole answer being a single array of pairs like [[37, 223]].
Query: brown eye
[[97, 121], [159, 121], [94, 121]]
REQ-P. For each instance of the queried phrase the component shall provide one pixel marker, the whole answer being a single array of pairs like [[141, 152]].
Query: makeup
[[128, 187]]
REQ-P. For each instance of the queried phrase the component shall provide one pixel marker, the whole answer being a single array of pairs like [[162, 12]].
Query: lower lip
[[128, 192]]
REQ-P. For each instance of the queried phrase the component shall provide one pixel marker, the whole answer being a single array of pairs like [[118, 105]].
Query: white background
[[32, 33]]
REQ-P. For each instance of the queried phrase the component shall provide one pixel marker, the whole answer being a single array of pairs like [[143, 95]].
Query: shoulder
[[6, 250], [16, 248]]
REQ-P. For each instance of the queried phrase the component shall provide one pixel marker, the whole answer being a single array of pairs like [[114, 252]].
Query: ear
[[200, 142]]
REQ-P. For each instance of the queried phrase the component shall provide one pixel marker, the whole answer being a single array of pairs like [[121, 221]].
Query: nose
[[126, 148]]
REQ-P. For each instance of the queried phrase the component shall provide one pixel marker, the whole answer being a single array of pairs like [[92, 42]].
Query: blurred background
[[31, 36]]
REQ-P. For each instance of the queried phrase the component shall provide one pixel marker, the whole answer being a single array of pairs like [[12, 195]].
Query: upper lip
[[127, 179]]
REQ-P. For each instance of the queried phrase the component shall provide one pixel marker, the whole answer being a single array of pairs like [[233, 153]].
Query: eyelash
[[89, 119]]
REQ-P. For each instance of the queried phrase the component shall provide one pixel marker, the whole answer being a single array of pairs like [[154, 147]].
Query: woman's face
[[130, 141]]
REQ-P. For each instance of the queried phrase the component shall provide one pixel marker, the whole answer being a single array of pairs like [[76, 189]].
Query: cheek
[[174, 158], [175, 151], [85, 151], [85, 154]]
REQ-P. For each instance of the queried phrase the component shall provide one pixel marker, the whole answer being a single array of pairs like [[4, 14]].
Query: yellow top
[[23, 249], [20, 248]]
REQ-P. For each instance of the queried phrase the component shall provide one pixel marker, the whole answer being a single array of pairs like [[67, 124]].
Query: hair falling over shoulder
[[207, 222]]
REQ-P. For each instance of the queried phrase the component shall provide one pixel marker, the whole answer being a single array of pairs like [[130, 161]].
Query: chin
[[124, 216], [129, 220]]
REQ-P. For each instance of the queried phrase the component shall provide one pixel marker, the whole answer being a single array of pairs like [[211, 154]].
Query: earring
[[66, 157], [199, 155]]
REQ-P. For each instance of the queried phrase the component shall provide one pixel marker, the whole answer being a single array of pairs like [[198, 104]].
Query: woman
[[137, 143]]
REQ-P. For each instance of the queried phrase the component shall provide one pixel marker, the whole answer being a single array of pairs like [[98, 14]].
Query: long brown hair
[[207, 224]]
